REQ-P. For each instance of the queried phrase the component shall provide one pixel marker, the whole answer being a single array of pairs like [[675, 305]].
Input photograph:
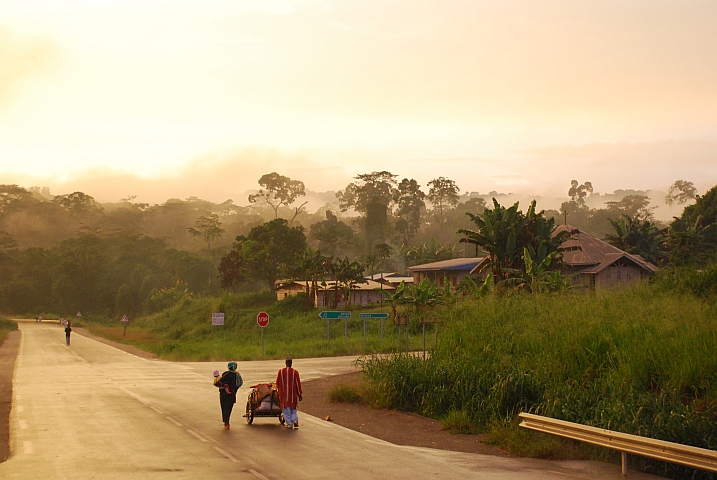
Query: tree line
[[68, 250]]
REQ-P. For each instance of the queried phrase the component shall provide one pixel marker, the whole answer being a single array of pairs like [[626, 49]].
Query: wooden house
[[447, 271], [593, 263]]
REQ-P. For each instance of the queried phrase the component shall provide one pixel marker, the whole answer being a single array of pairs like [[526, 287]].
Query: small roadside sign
[[373, 315], [78, 314], [125, 318], [217, 319], [262, 319], [334, 315]]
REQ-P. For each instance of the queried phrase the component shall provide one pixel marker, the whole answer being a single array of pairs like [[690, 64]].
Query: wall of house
[[358, 297], [441, 277], [289, 290], [618, 276]]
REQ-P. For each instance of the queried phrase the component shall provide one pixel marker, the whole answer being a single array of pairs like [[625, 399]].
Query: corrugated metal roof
[[583, 250], [452, 264], [376, 276], [330, 284]]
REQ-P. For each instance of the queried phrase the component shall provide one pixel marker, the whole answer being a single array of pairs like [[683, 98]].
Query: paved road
[[92, 411]]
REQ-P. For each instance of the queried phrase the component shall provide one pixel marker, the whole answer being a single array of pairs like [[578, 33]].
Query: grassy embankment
[[185, 333], [6, 326], [640, 361]]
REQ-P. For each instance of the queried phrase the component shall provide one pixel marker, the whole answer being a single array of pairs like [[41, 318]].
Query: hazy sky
[[172, 98]]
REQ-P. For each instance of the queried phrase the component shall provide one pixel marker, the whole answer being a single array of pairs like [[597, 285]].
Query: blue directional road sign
[[373, 315], [335, 315]]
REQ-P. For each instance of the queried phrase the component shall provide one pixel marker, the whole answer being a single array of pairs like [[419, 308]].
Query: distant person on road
[[67, 333], [288, 384], [228, 384]]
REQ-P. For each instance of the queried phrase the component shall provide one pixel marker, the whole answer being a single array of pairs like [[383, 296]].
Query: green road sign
[[373, 315], [335, 315]]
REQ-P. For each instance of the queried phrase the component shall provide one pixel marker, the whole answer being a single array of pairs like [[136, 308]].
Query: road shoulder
[[8, 355], [399, 428]]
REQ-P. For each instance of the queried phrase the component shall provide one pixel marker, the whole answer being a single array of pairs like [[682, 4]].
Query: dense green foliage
[[271, 250], [637, 361], [107, 275], [5, 327], [506, 233]]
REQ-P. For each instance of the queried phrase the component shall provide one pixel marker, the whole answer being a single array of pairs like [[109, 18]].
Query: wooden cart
[[263, 401]]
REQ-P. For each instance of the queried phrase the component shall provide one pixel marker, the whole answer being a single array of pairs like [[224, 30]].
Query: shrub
[[343, 393]]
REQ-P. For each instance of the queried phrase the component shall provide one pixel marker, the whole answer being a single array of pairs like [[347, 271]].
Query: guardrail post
[[624, 463]]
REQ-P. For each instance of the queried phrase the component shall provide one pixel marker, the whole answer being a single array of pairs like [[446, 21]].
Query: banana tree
[[536, 277], [394, 298], [311, 267]]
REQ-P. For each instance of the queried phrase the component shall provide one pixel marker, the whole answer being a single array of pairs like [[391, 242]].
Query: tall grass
[[638, 361], [184, 332], [6, 326]]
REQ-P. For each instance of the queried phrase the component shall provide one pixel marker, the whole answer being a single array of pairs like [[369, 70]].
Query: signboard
[[262, 319], [335, 315], [373, 315], [125, 318], [78, 314], [217, 319]]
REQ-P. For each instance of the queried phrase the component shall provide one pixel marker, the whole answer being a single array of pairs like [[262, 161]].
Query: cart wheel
[[249, 414], [281, 419]]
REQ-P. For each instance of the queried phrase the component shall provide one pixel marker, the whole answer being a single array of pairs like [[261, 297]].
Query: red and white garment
[[289, 386]]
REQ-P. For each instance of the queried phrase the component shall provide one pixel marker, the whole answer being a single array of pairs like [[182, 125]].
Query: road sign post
[[366, 316], [218, 319], [424, 321], [125, 320], [333, 315], [263, 320], [398, 321]]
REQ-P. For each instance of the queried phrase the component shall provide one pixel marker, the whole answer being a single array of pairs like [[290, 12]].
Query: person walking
[[228, 384], [67, 333], [288, 384]]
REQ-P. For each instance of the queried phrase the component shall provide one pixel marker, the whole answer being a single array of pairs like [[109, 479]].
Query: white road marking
[[27, 446], [257, 474], [23, 425], [157, 410], [174, 421], [192, 432], [226, 454]]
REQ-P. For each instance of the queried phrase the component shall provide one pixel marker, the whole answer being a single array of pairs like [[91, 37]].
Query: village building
[[364, 294], [444, 272], [592, 263], [391, 278]]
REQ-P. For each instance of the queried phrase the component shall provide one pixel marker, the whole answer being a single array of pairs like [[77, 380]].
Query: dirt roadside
[[396, 427], [8, 354]]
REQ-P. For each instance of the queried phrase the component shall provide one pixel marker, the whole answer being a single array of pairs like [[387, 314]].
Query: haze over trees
[[60, 252]]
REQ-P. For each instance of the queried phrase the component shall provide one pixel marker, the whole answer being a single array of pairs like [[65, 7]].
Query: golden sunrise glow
[[164, 98]]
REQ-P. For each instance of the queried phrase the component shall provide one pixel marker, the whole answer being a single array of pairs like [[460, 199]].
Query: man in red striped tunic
[[289, 386]]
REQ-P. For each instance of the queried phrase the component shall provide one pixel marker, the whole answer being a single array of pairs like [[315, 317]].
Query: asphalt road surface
[[89, 410]]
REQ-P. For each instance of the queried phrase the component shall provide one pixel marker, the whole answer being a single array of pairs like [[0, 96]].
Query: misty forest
[[61, 254]]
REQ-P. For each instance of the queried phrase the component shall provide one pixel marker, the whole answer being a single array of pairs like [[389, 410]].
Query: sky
[[173, 98]]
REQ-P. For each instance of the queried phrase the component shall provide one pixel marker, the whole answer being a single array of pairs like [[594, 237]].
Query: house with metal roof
[[444, 272], [593, 263], [365, 293]]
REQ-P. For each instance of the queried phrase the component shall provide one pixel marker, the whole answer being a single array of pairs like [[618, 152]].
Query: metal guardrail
[[624, 443]]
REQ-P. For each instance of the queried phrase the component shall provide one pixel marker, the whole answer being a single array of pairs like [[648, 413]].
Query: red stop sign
[[262, 319]]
